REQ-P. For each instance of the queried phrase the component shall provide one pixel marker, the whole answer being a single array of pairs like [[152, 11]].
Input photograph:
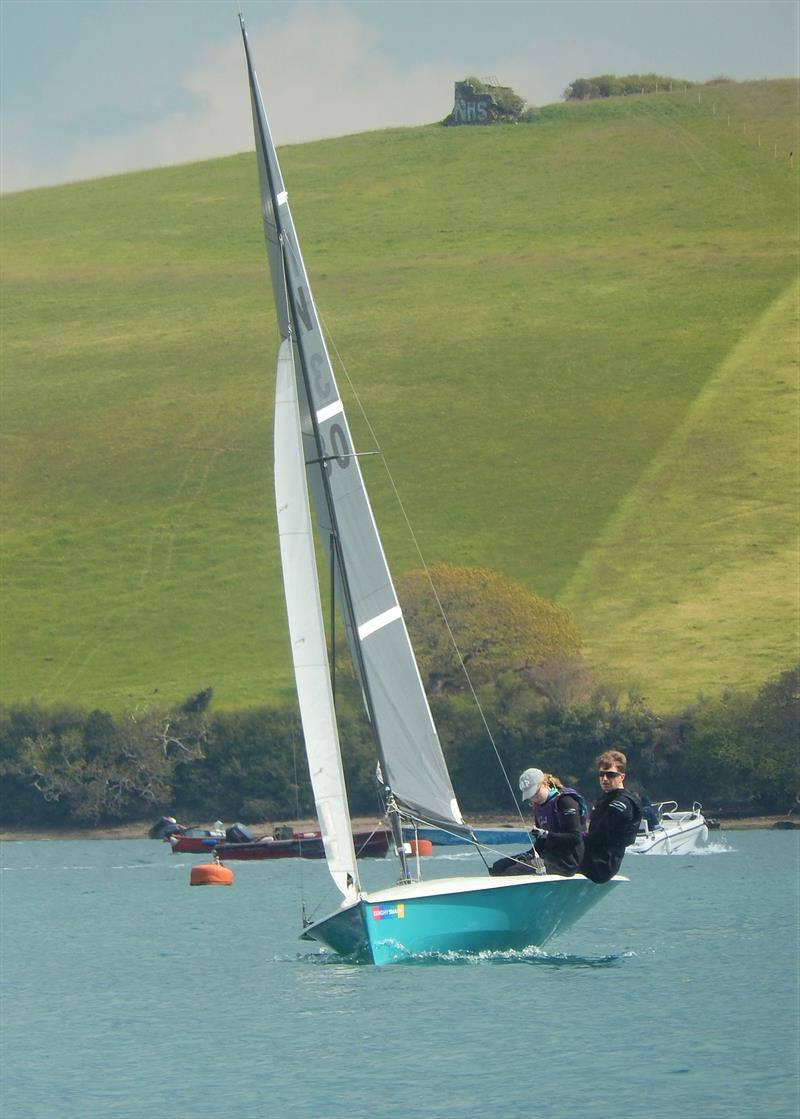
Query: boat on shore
[[674, 833], [317, 467]]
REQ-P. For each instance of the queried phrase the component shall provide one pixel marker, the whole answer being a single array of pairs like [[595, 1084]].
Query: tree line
[[63, 766], [610, 85], [66, 766]]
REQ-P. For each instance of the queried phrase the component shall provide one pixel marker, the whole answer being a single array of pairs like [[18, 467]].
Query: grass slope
[[693, 551], [536, 319]]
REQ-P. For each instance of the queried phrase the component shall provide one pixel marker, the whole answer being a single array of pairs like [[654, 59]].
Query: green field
[[575, 340]]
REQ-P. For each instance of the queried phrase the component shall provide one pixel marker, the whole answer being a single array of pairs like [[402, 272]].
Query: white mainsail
[[411, 758], [307, 631]]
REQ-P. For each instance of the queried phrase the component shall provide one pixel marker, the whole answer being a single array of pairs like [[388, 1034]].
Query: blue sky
[[95, 87]]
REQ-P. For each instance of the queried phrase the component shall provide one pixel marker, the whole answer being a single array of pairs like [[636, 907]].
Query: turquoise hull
[[457, 915]]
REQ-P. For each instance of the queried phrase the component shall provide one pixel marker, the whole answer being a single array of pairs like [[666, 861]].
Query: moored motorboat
[[195, 840], [165, 827], [304, 845], [674, 833]]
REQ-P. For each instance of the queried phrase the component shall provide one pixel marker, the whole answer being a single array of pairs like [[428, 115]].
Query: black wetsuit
[[613, 826], [560, 852]]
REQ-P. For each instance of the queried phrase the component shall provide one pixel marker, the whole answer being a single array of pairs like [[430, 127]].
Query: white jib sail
[[307, 630]]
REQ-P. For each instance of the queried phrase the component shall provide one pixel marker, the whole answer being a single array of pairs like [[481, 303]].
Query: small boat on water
[[316, 466], [674, 833], [195, 840], [237, 843]]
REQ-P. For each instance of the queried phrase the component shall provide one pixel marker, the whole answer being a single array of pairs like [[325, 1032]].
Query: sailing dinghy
[[316, 466]]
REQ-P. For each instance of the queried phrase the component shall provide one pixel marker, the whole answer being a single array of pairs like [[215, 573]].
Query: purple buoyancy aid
[[548, 815]]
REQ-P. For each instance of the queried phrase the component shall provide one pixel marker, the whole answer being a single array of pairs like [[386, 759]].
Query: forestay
[[410, 753]]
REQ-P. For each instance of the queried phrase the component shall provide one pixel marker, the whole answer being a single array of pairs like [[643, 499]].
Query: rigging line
[[425, 568], [479, 847]]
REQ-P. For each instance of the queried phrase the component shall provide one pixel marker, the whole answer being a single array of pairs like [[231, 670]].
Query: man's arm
[[620, 815]]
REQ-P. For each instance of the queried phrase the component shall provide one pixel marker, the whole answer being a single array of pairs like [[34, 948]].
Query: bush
[[609, 85]]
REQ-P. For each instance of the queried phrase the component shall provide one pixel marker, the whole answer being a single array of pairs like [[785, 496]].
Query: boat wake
[[709, 849], [713, 849], [532, 956]]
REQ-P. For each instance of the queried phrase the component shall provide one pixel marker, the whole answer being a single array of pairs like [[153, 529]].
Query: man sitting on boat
[[559, 813], [614, 822], [649, 816]]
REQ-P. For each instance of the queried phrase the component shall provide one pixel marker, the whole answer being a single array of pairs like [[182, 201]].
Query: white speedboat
[[675, 833]]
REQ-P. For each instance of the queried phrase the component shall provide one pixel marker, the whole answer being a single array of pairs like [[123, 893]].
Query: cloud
[[321, 73], [122, 95], [345, 82]]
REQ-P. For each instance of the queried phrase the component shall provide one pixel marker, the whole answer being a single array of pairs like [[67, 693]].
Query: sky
[[97, 87]]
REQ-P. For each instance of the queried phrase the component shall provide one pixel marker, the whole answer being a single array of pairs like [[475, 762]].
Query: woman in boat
[[614, 821], [559, 813]]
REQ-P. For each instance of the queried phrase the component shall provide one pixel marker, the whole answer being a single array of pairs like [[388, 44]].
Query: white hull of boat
[[457, 915], [675, 834]]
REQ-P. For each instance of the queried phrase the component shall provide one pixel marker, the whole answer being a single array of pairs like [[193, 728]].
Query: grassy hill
[[575, 341]]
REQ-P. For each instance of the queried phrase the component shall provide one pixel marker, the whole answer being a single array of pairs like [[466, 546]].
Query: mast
[[406, 740]]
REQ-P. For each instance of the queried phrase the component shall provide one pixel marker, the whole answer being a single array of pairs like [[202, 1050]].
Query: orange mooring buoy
[[421, 847], [210, 874]]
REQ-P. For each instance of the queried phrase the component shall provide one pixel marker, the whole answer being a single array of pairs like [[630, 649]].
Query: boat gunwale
[[431, 887]]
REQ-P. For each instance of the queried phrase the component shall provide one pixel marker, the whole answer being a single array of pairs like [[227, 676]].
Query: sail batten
[[329, 411], [410, 754], [393, 614]]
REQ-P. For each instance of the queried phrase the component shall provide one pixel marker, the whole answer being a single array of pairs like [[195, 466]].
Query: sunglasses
[[610, 773]]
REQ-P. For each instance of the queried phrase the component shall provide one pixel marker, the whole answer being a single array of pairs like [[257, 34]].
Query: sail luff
[[411, 758], [307, 631], [271, 188], [298, 557]]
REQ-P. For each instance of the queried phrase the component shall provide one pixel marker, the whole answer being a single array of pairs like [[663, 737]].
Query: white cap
[[529, 782]]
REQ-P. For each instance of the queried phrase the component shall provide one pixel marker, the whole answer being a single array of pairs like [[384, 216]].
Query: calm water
[[127, 994]]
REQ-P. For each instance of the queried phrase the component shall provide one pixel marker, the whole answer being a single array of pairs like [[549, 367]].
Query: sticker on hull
[[381, 912]]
